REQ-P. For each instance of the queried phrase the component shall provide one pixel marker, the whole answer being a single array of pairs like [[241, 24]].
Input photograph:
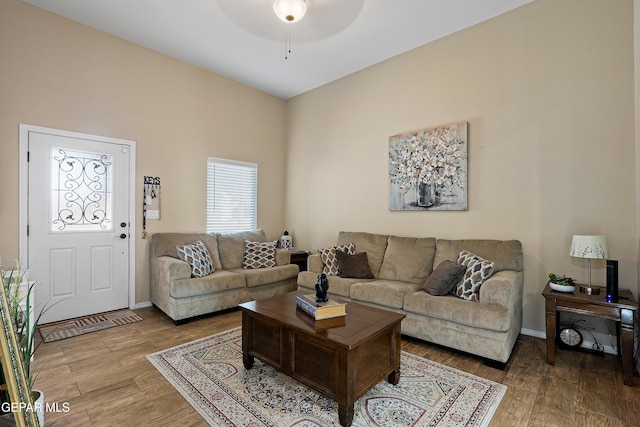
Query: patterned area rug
[[210, 375], [85, 325]]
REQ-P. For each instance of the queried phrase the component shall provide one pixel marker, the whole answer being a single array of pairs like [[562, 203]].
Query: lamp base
[[589, 291]]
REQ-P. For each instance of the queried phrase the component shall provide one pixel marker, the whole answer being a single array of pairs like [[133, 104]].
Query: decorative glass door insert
[[81, 191]]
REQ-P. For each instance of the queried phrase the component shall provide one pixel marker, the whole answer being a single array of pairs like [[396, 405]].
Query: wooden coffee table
[[341, 363]]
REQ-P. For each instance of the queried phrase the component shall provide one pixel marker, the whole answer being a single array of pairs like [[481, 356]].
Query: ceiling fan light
[[290, 10]]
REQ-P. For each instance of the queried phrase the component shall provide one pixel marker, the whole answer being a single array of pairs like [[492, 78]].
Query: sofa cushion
[[217, 281], [373, 244], [164, 244], [259, 254], [329, 260], [265, 276], [506, 254], [452, 309], [197, 256], [356, 266], [444, 278], [408, 259], [387, 293], [338, 286], [231, 246], [478, 270]]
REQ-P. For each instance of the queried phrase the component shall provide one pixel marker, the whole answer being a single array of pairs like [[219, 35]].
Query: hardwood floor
[[106, 380]]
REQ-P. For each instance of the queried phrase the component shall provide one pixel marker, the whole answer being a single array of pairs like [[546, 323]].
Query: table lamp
[[590, 247]]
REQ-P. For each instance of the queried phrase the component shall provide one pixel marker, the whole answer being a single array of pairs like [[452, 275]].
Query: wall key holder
[[151, 201]]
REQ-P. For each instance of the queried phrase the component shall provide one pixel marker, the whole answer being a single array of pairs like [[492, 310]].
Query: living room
[[547, 90]]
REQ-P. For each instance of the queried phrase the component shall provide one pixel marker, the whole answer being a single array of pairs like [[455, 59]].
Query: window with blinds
[[232, 195]]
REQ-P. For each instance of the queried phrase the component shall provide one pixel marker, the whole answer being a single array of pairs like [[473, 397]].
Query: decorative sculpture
[[322, 286]]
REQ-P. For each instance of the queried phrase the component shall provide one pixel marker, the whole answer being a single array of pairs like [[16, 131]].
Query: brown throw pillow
[[355, 266], [444, 278]]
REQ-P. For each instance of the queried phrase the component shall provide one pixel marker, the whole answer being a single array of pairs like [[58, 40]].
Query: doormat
[[85, 325], [210, 375]]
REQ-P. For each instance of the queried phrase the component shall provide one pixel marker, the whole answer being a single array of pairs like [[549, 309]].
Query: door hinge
[[27, 230], [28, 155]]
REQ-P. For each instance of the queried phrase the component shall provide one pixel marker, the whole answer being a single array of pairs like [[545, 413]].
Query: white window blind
[[231, 195]]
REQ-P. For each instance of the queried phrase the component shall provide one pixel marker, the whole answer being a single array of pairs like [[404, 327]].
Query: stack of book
[[320, 310], [321, 325]]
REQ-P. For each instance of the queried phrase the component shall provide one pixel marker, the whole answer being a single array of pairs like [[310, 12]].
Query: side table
[[623, 312], [300, 258]]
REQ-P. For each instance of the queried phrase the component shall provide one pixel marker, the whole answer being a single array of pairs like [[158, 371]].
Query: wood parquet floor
[[106, 380]]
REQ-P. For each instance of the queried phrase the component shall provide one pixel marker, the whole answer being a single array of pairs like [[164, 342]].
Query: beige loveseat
[[181, 296], [400, 266]]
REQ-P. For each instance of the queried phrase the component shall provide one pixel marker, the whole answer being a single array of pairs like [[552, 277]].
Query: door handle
[[122, 236]]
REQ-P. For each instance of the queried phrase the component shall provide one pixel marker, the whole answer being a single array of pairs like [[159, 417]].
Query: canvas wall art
[[428, 169]]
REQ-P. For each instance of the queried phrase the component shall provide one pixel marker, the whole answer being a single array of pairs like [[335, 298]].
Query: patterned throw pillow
[[259, 254], [329, 260], [478, 270], [197, 256]]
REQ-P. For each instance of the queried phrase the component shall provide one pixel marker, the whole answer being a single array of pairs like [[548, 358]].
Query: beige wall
[[636, 58], [547, 91], [59, 74]]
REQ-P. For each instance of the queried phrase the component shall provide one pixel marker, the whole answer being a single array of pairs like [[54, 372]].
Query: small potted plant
[[561, 283]]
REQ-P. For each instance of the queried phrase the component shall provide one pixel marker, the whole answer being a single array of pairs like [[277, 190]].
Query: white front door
[[78, 223]]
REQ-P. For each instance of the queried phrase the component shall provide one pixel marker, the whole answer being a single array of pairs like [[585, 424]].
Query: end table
[[300, 258], [623, 312]]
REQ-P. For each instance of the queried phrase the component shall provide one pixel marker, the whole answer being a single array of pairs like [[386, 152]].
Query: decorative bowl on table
[[562, 288], [561, 283]]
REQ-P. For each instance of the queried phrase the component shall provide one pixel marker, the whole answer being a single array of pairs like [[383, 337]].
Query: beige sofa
[[181, 296], [400, 265]]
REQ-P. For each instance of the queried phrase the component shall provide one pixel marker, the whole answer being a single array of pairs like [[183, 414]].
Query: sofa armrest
[[283, 257], [314, 263], [166, 269], [503, 289]]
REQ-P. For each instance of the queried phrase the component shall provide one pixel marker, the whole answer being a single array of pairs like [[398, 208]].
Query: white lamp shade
[[589, 247], [290, 10]]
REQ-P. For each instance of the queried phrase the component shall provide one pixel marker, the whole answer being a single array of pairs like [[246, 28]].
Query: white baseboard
[[533, 333], [607, 348], [143, 304]]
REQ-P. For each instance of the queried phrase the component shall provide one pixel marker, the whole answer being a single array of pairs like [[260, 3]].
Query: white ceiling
[[244, 40]]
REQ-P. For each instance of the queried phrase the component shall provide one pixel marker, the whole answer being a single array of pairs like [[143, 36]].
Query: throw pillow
[[447, 275], [198, 257], [259, 254], [356, 266], [329, 260], [478, 270]]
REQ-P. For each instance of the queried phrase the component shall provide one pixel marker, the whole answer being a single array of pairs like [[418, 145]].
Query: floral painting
[[428, 169]]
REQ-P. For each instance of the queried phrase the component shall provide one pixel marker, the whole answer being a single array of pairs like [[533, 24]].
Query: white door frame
[[24, 193]]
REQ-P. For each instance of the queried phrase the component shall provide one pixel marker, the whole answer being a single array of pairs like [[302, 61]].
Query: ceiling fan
[[264, 18]]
